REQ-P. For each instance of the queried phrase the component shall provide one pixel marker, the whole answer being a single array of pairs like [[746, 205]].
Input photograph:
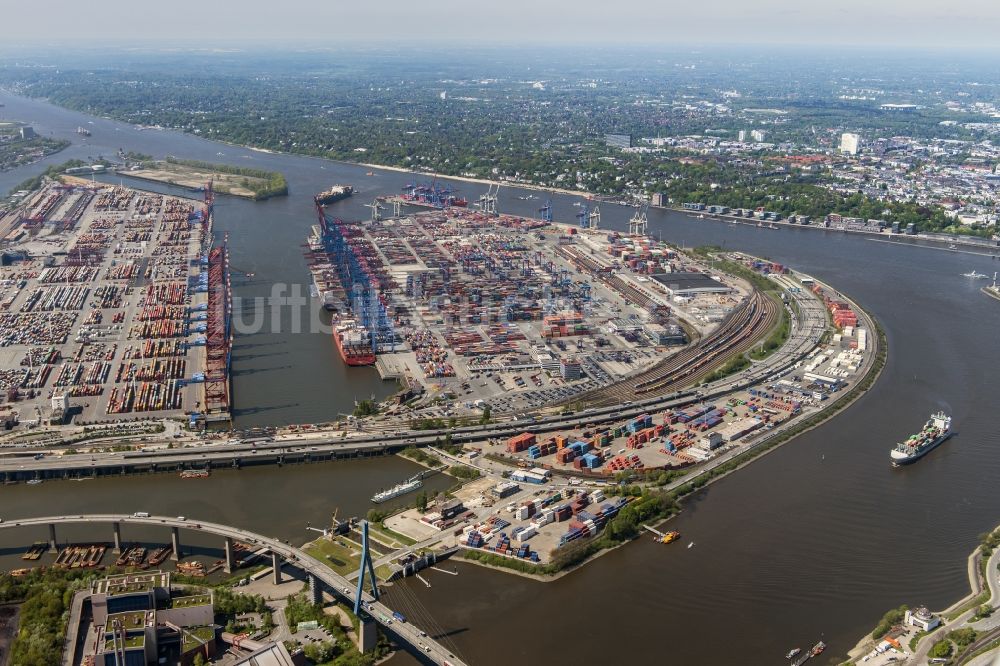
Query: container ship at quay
[[333, 195], [935, 431], [354, 343], [349, 283], [325, 282], [407, 486]]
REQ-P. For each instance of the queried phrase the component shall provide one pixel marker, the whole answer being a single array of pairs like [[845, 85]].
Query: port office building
[[691, 284]]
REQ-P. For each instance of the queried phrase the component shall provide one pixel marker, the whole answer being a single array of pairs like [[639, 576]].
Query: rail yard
[[113, 304]]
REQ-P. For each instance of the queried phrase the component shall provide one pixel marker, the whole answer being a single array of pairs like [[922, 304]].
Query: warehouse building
[[691, 284]]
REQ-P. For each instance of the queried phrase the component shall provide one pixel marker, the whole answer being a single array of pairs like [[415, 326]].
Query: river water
[[815, 540]]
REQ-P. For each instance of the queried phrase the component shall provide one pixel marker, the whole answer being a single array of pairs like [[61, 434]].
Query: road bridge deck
[[340, 586]]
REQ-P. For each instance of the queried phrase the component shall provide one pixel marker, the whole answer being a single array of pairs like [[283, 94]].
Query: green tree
[[941, 649], [963, 637], [320, 653]]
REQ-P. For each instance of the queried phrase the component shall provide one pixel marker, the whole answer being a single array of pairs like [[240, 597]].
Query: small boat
[[818, 649], [690, 544], [975, 275], [370, 173], [792, 653], [34, 482], [952, 247]]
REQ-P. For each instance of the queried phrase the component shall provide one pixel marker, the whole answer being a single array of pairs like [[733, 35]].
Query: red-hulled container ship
[[354, 343]]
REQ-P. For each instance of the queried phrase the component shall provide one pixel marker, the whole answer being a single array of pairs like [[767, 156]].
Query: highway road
[[426, 646]]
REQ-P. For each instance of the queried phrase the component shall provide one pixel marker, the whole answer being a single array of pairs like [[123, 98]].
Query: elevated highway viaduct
[[320, 577]]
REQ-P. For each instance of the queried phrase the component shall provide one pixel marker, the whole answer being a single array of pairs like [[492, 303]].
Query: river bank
[[773, 225], [981, 591], [467, 179]]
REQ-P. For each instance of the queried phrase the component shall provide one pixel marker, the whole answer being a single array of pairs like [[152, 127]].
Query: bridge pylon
[[366, 566]]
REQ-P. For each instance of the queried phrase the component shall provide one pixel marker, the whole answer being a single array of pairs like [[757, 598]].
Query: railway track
[[737, 334]]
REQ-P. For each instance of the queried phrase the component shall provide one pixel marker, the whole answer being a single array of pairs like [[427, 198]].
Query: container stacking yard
[[112, 304], [497, 310]]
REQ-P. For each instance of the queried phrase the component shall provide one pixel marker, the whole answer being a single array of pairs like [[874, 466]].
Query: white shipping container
[[526, 534]]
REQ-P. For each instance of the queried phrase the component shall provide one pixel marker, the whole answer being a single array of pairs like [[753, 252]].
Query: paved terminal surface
[[103, 308], [807, 330]]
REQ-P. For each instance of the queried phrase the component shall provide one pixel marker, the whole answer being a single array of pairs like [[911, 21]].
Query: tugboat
[[818, 649]]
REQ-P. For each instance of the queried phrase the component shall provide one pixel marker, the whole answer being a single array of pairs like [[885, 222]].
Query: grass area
[[193, 600], [463, 472], [254, 184], [392, 534], [730, 367], [969, 605], [888, 621], [345, 560], [916, 639], [261, 184], [195, 636], [420, 456], [342, 559]]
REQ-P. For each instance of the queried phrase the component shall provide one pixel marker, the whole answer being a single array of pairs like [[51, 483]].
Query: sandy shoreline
[[480, 181]]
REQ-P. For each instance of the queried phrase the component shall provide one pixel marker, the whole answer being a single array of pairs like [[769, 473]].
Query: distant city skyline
[[919, 24]]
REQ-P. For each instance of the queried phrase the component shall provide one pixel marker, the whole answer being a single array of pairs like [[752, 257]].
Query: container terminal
[[491, 309], [113, 304]]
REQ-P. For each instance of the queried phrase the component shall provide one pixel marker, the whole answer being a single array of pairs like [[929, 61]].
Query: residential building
[[850, 143], [618, 140]]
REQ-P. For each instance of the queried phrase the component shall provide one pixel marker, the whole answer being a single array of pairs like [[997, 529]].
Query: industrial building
[[691, 284], [272, 654], [138, 620], [569, 369]]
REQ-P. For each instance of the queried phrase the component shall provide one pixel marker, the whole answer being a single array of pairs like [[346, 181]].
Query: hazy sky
[[917, 23]]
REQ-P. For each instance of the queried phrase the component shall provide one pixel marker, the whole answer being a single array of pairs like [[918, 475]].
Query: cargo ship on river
[[333, 195], [407, 486], [935, 431]]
